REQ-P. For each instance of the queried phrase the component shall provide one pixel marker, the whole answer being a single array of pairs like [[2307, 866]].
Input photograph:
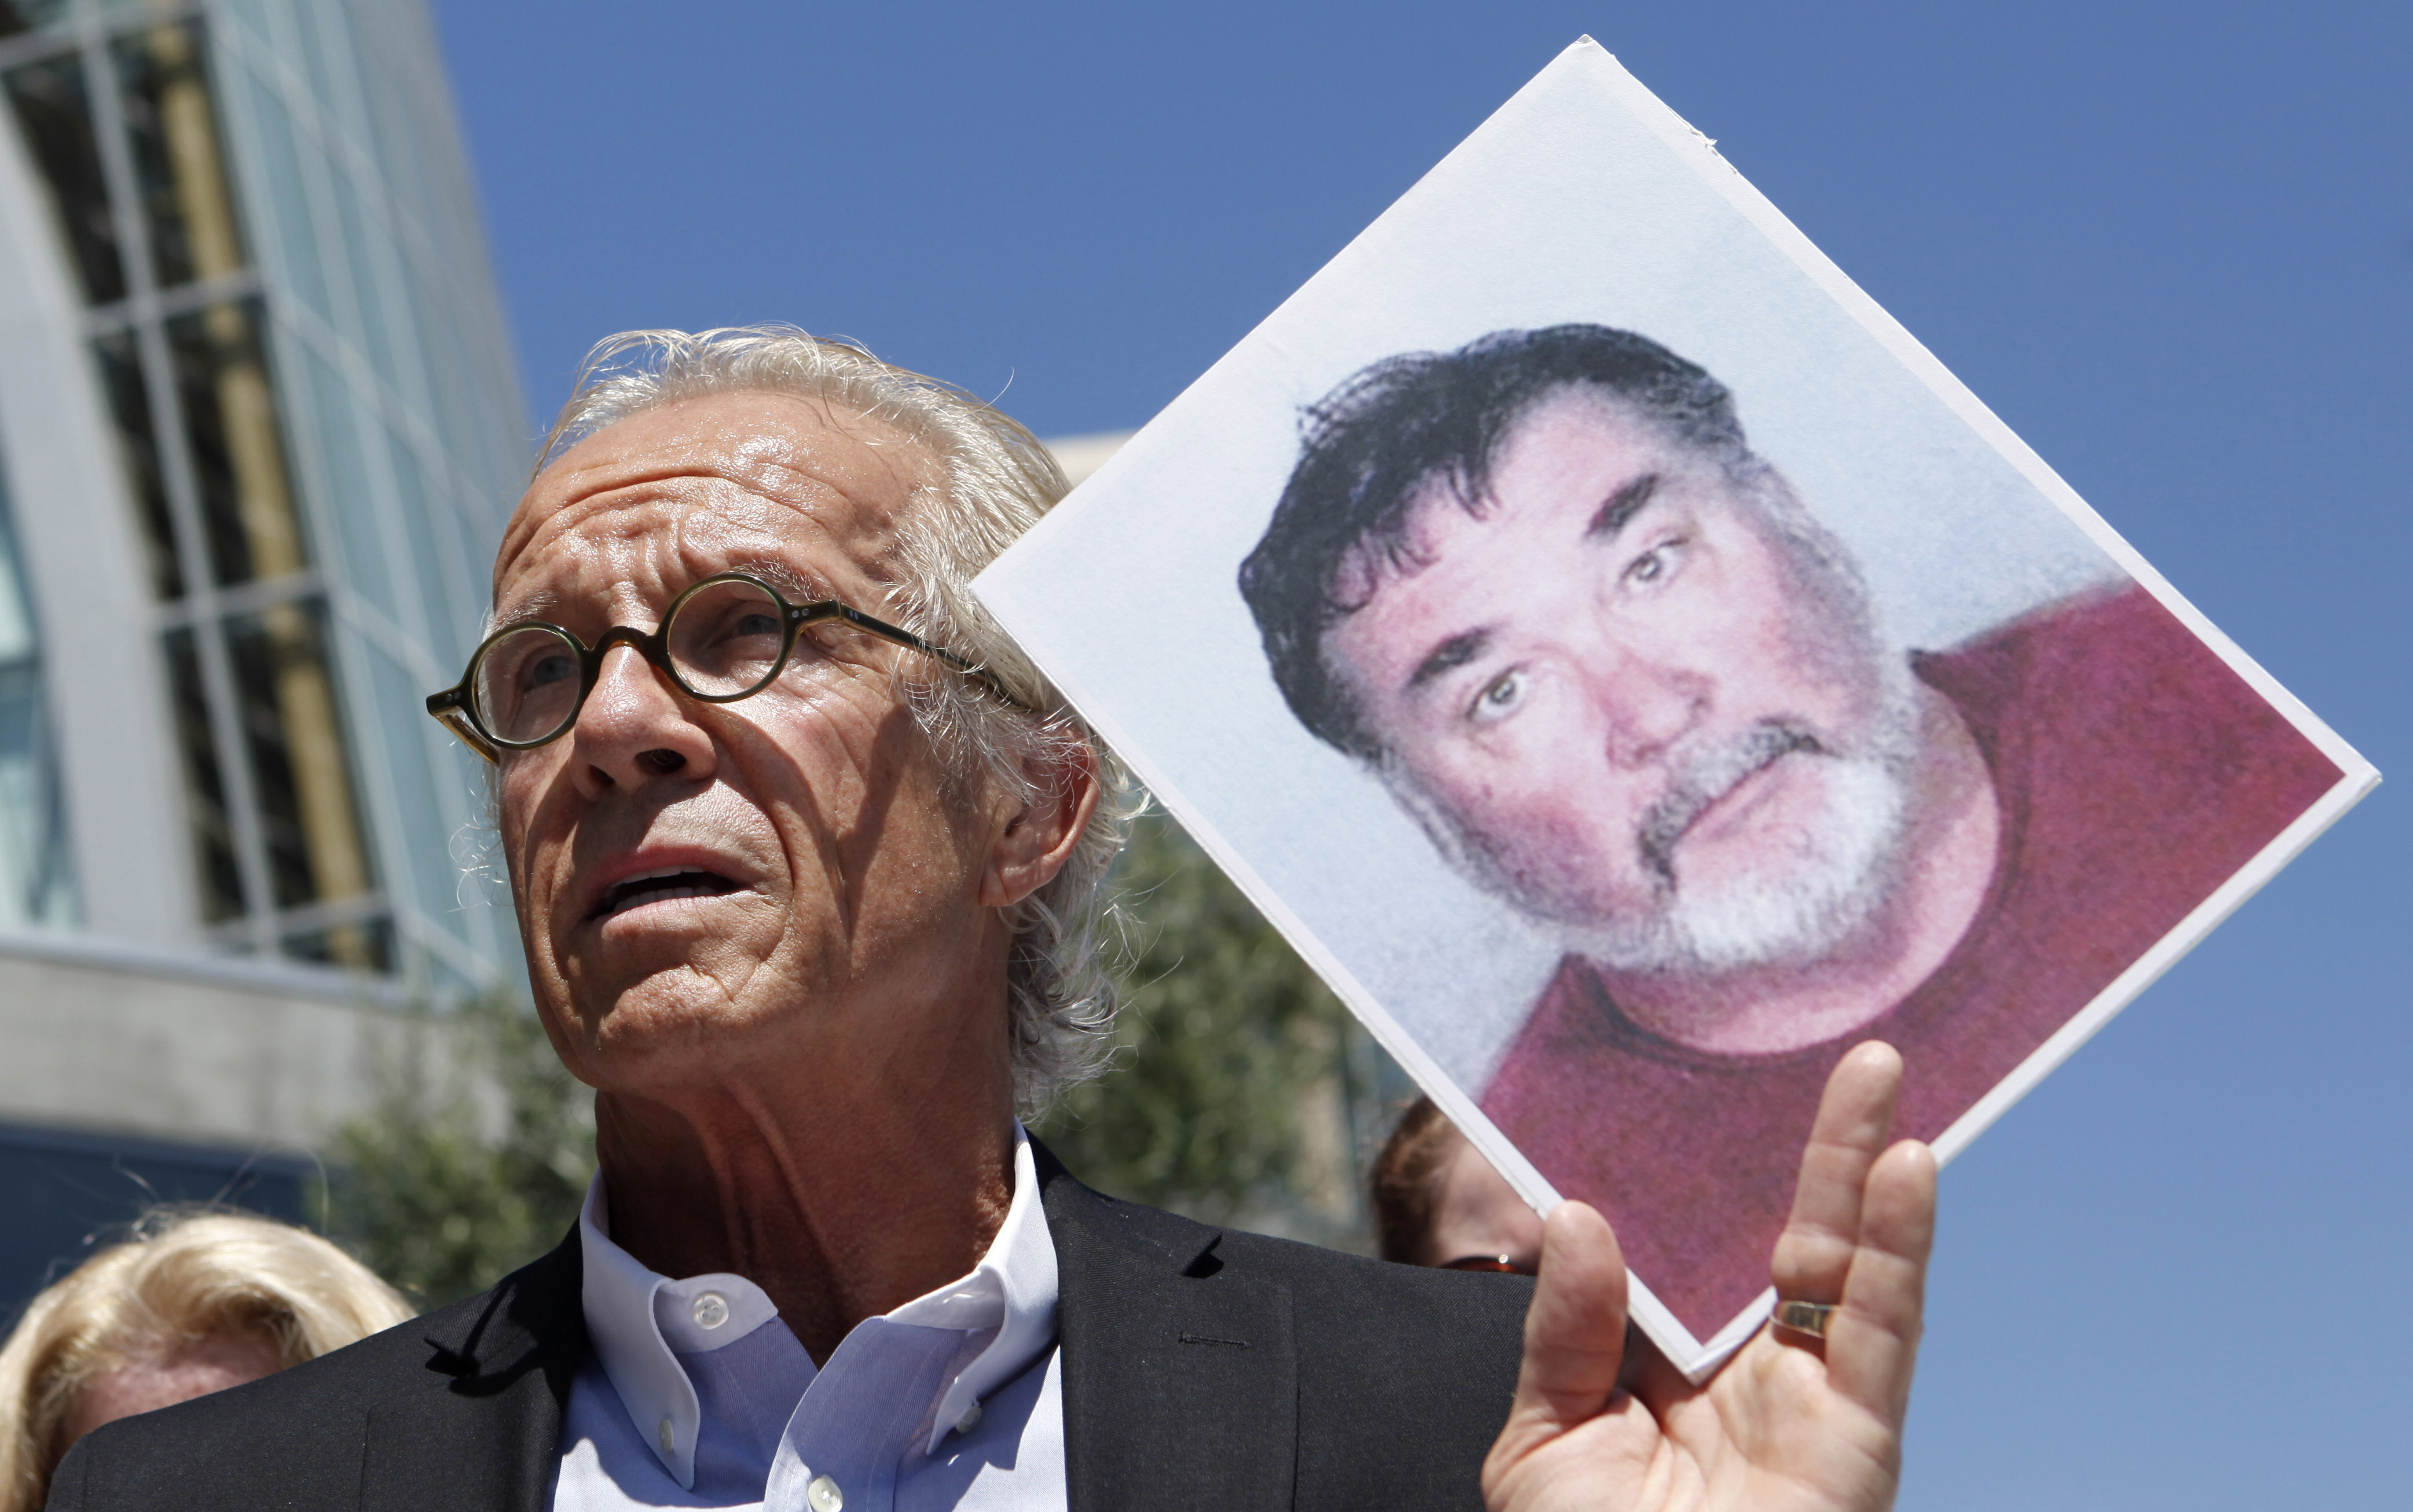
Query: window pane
[[35, 886], [221, 877], [254, 15], [349, 498], [288, 199], [449, 628], [30, 15], [172, 126], [237, 448], [367, 286], [34, 880], [299, 768], [366, 946], [55, 116], [138, 445], [426, 840]]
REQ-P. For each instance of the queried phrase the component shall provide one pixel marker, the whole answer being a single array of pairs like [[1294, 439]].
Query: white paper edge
[[1695, 1358]]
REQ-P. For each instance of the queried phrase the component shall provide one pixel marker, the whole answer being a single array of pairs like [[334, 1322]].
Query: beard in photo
[[1822, 882]]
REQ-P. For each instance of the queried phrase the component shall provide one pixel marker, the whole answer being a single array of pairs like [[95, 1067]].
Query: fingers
[[1862, 1225], [1872, 1342], [1575, 1328], [1813, 1255]]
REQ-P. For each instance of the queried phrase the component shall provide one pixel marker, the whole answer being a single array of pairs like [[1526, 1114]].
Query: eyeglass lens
[[724, 641], [527, 682]]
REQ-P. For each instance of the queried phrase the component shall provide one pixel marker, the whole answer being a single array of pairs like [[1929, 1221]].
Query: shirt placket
[[845, 1442]]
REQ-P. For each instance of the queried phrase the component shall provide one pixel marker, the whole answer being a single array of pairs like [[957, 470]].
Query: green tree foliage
[[440, 1191], [1237, 1072], [1237, 1093]]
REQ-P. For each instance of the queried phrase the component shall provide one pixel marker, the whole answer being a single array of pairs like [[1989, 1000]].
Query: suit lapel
[[483, 1431], [1180, 1375]]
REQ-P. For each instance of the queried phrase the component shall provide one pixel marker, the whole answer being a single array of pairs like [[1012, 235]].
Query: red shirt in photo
[[2135, 772]]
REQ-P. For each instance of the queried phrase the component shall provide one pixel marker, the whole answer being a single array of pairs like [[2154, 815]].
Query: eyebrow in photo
[[1621, 507], [1448, 657]]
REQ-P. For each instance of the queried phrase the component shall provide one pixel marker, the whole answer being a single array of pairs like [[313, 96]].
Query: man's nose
[[635, 729], [1649, 707]]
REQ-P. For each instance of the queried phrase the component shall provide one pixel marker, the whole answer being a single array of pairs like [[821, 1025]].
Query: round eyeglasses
[[724, 639]]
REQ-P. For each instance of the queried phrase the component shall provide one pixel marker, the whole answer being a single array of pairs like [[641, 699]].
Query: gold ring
[[1805, 1318]]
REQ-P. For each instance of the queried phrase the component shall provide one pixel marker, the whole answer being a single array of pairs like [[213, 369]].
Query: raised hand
[[1791, 1422]]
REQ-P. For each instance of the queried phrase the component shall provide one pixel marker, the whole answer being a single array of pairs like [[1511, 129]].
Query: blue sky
[[2171, 244]]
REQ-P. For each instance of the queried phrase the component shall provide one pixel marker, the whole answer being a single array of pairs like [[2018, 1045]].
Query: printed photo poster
[[1633, 671]]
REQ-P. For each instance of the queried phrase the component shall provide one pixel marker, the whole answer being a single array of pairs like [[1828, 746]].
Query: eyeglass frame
[[456, 709]]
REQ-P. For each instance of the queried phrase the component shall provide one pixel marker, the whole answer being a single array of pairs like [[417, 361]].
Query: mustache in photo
[[1707, 777]]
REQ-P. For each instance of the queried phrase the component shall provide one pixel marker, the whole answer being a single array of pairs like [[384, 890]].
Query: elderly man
[[807, 861], [1544, 590]]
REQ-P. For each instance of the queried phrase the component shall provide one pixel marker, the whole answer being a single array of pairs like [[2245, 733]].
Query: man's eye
[[1657, 564], [554, 668], [1500, 697]]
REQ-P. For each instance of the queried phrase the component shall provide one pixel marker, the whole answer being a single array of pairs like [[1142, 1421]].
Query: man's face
[[1626, 704], [701, 886]]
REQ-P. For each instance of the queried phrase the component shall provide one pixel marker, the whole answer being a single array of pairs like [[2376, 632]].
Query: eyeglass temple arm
[[446, 709], [829, 608]]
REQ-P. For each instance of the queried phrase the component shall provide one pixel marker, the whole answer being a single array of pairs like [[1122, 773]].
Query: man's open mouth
[[662, 886]]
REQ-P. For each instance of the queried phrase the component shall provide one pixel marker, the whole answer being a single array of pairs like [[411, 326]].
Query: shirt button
[[970, 1419], [824, 1495], [668, 1439], [710, 1309]]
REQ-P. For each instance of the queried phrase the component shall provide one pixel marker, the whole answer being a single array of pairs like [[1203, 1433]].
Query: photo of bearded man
[[1541, 588]]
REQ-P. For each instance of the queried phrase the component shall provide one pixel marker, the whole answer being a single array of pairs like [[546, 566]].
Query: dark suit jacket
[[1203, 1368]]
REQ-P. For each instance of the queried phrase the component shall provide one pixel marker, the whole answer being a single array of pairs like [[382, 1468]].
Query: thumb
[[1575, 1329]]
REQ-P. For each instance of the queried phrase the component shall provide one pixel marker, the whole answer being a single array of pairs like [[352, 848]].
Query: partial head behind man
[[188, 1302]]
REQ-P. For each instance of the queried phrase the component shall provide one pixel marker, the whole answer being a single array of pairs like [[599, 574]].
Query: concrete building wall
[[105, 1038]]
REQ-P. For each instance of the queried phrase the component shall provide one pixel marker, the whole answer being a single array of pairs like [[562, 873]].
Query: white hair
[[995, 480]]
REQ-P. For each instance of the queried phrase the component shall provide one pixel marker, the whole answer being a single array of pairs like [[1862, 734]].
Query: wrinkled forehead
[[809, 493]]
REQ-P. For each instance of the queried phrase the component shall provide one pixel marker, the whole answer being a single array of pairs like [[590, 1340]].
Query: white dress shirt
[[696, 1395]]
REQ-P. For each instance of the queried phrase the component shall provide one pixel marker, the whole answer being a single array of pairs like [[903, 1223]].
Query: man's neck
[[842, 1203], [1946, 868]]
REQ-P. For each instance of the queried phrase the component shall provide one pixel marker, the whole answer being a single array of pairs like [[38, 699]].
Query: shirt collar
[[1012, 1290], [641, 1321]]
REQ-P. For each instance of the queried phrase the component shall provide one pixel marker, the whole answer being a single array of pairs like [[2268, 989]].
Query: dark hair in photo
[[1370, 446]]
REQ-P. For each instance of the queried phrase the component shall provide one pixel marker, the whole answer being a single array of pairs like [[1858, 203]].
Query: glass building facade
[[282, 295], [35, 889]]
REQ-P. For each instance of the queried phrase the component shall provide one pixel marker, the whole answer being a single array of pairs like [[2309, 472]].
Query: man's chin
[[1766, 925], [664, 1029]]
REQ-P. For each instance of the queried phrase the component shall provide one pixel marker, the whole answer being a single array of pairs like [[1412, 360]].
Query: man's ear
[[1039, 837]]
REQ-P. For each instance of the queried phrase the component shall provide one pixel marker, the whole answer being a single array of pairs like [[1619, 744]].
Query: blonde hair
[[995, 481], [181, 1276]]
